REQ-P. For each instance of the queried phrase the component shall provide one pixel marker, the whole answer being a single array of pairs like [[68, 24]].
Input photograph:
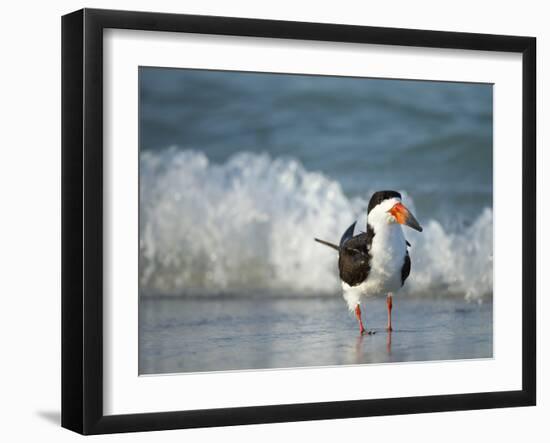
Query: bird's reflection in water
[[359, 350], [360, 344]]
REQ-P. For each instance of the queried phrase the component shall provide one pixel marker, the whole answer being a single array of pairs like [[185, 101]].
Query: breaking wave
[[248, 225]]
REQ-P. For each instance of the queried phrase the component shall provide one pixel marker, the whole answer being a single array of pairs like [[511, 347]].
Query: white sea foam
[[248, 225]]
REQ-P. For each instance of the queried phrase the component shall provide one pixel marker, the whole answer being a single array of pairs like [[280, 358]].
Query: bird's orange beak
[[404, 217]]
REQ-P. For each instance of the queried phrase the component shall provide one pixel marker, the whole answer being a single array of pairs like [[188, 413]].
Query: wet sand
[[202, 334]]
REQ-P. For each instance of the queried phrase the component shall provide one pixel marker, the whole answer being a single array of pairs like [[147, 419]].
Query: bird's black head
[[379, 196]]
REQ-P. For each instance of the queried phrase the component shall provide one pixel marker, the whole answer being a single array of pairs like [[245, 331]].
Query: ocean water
[[239, 171]]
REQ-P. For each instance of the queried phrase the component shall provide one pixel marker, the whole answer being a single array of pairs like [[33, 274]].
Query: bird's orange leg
[[362, 329], [389, 304]]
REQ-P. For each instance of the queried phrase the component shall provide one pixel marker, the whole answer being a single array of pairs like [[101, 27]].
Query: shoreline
[[288, 295], [182, 335]]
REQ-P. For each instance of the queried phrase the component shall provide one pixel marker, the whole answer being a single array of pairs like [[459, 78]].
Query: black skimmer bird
[[376, 262]]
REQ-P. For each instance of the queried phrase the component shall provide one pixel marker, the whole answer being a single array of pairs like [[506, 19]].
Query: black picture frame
[[82, 220]]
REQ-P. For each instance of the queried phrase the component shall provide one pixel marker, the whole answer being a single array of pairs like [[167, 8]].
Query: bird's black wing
[[348, 234], [406, 269], [354, 260]]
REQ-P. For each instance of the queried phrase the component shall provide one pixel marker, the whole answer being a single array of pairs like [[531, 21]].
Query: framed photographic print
[[269, 221]]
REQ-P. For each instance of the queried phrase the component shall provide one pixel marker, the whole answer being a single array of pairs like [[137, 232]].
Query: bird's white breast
[[387, 253]]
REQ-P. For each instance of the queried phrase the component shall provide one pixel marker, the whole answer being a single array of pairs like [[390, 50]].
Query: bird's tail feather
[[326, 243]]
